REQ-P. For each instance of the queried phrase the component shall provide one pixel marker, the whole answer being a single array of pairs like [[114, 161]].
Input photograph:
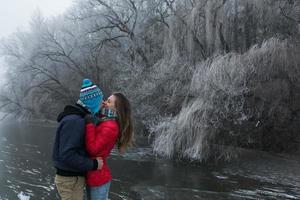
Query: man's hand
[[89, 118], [100, 163]]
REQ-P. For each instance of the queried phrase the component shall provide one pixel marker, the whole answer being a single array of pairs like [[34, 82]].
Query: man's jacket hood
[[72, 110]]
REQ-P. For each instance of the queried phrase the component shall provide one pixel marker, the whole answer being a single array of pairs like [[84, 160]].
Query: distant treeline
[[203, 76]]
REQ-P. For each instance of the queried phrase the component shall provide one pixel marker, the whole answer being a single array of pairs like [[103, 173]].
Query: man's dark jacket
[[69, 155]]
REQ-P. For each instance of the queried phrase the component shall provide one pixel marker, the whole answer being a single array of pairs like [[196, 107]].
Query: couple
[[84, 139]]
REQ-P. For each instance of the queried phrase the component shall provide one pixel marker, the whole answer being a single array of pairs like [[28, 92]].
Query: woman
[[115, 127]]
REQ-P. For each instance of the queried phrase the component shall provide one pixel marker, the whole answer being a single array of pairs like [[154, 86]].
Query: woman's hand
[[103, 105]]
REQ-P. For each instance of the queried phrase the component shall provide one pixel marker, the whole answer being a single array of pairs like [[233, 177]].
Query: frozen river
[[26, 172]]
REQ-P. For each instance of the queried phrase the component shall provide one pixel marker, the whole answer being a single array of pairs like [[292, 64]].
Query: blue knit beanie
[[91, 96]]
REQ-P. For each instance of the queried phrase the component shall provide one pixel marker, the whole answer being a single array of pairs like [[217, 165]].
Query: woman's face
[[110, 102]]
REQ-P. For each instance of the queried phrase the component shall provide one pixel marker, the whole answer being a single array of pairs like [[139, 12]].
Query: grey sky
[[17, 13]]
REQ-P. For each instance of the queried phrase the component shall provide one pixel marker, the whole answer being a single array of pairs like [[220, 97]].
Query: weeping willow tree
[[244, 93], [237, 100]]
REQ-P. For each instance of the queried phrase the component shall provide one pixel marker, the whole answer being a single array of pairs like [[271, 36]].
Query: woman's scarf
[[108, 114]]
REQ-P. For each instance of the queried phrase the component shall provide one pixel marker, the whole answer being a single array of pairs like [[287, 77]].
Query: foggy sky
[[17, 13]]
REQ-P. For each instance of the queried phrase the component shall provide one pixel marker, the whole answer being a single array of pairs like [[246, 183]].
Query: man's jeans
[[98, 193], [70, 188]]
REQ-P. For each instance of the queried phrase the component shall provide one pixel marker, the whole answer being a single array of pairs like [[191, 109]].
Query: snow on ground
[[23, 196]]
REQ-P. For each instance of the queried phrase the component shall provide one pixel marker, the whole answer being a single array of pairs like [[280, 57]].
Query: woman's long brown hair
[[125, 121]]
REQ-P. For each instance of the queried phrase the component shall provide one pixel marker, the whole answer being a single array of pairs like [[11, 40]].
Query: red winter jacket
[[100, 140]]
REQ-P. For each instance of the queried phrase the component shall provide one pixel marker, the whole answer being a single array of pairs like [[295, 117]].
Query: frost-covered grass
[[249, 100]]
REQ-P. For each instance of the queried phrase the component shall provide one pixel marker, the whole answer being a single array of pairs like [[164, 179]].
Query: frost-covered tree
[[204, 76], [237, 100]]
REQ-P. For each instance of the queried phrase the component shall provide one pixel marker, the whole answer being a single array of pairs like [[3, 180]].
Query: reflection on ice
[[219, 176], [150, 192], [264, 192], [48, 188], [134, 154]]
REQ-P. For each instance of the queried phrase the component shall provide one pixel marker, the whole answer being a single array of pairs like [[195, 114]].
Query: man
[[69, 155]]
